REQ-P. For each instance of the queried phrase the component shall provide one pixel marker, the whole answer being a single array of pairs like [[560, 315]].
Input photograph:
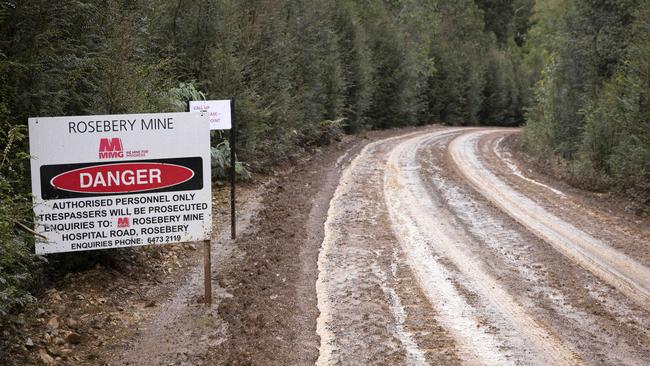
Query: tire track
[[505, 157], [423, 229], [589, 315], [363, 318], [468, 289], [613, 267]]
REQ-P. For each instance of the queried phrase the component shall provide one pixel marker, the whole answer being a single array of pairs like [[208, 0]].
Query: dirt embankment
[[272, 273], [598, 193]]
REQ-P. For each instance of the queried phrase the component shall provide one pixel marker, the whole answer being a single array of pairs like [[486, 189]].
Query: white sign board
[[219, 111], [115, 181]]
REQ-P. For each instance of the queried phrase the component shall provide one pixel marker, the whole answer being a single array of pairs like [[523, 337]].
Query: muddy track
[[417, 219], [270, 308], [364, 286], [492, 288], [614, 267]]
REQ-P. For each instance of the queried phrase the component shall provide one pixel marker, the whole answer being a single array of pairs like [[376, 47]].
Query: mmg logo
[[110, 148]]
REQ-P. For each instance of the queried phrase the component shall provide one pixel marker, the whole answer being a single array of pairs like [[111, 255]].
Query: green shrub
[[220, 155], [616, 138], [592, 106], [324, 133], [18, 265]]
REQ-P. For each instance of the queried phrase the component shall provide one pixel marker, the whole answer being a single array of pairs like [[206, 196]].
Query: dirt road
[[432, 256]]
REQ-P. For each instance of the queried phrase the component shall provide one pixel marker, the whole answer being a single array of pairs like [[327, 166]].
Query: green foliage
[[587, 48], [455, 91], [179, 96], [220, 159], [505, 91], [498, 18], [616, 137], [480, 75], [326, 132], [540, 134], [357, 66], [17, 263], [592, 106]]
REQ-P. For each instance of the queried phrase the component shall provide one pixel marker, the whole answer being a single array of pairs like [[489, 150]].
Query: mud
[[614, 267], [128, 312], [621, 229], [576, 304], [183, 328], [427, 229], [271, 315], [373, 310], [497, 292]]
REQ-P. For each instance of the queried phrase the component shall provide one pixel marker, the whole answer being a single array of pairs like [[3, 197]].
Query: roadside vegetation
[[590, 119], [303, 71]]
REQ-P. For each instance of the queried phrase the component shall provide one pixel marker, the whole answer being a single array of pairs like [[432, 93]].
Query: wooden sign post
[[207, 270]]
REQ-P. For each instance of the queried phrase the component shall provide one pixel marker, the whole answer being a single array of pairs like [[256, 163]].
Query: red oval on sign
[[122, 178]]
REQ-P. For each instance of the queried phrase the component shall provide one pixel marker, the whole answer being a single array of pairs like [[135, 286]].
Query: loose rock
[[73, 338], [53, 323], [72, 323], [45, 357]]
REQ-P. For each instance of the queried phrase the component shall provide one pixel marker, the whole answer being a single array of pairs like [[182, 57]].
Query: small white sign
[[219, 111], [116, 181]]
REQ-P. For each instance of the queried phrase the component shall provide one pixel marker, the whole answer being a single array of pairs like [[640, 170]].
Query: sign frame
[[117, 152]]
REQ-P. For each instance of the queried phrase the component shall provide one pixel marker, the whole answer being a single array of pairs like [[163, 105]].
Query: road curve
[[418, 266], [613, 267]]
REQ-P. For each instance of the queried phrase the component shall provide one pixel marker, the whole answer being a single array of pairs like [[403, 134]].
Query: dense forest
[[591, 113], [576, 72]]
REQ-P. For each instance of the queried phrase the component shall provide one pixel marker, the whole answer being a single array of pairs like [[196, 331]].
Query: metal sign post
[[233, 158]]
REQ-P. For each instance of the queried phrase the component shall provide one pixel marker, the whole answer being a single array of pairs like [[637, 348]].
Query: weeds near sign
[[17, 263], [221, 163]]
